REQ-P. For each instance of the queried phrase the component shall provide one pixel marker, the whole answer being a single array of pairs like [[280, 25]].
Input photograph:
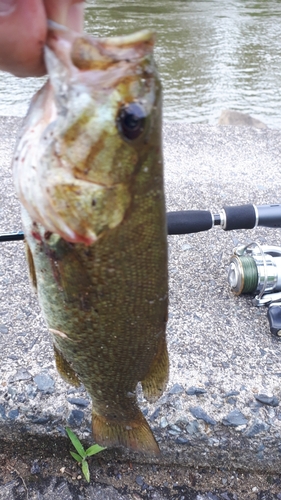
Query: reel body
[[256, 268]]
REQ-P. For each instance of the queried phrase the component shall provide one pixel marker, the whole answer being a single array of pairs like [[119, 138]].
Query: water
[[212, 55]]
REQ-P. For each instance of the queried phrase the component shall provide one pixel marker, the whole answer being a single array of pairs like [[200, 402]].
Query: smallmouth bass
[[88, 173]]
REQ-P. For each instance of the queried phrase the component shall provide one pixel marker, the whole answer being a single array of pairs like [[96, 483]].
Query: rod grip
[[239, 217], [189, 221]]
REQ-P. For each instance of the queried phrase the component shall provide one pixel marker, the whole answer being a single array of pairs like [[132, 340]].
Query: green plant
[[82, 454]]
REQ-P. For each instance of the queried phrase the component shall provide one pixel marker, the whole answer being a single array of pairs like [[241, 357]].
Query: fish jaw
[[77, 182]]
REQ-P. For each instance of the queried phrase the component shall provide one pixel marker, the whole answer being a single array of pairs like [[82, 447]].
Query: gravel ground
[[218, 432]]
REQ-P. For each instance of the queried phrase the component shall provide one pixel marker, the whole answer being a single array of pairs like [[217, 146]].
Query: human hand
[[23, 31]]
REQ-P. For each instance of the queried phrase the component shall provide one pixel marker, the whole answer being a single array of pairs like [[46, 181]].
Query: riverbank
[[221, 351]]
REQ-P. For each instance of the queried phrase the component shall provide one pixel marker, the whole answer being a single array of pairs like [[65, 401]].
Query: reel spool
[[256, 268]]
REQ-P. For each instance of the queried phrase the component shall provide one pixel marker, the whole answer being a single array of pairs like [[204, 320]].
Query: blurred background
[[211, 54]]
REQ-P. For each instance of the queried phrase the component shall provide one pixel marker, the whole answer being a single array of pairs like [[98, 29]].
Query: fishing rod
[[195, 221], [253, 268]]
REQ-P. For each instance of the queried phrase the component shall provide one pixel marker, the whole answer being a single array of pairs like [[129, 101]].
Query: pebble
[[35, 468], [21, 374], [155, 414], [199, 413], [4, 329], [75, 418], [13, 414], [193, 427], [31, 391], [231, 393], [175, 428], [139, 480], [234, 419], [256, 428], [44, 382], [79, 402], [2, 412], [267, 400], [38, 420], [181, 440], [176, 389], [163, 423], [195, 391], [231, 401]]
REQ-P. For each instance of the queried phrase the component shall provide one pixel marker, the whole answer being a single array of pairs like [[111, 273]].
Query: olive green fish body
[[96, 233]]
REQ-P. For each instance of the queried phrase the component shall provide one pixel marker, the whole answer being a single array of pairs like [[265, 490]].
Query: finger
[[70, 13], [22, 35]]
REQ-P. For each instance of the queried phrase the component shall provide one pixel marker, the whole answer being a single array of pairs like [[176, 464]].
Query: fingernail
[[7, 7]]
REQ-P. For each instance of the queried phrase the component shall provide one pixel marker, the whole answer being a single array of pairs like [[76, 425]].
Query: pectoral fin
[[31, 266], [154, 384]]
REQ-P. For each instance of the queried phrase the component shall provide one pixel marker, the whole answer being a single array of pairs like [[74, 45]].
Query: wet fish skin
[[95, 227]]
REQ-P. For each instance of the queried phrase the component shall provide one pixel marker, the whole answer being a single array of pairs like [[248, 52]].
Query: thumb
[[22, 36]]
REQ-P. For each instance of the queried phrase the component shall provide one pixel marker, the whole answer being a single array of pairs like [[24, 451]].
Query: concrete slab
[[219, 344]]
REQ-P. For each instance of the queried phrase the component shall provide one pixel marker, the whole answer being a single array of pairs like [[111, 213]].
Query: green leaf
[[76, 443], [76, 456], [85, 470], [96, 448]]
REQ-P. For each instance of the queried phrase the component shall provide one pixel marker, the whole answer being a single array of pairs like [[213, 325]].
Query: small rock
[[2, 412], [4, 329], [195, 391], [21, 374], [234, 419], [193, 427], [175, 428], [256, 428], [79, 402], [199, 413], [231, 401], [182, 440], [163, 423], [267, 400], [139, 480], [31, 391], [21, 398], [211, 496], [155, 414], [35, 468], [231, 393], [38, 420], [225, 496], [75, 418], [44, 383], [176, 389], [13, 414], [185, 247], [236, 118]]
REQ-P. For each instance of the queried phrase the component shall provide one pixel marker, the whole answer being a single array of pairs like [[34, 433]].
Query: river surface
[[212, 55]]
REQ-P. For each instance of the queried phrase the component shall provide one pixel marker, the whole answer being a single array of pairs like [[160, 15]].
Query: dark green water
[[211, 55]]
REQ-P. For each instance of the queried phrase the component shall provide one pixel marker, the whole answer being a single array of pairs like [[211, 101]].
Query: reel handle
[[274, 318]]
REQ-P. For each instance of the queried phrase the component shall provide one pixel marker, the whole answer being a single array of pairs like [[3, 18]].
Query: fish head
[[88, 132]]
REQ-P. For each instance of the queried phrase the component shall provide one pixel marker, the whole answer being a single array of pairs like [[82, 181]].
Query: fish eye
[[131, 120]]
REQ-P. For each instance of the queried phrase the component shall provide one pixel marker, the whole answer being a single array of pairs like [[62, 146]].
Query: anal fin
[[65, 370], [154, 384]]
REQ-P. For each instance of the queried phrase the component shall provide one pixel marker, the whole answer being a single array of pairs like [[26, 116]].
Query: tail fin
[[134, 434]]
